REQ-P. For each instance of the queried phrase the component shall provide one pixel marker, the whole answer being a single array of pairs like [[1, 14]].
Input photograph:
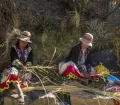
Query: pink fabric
[[95, 75], [72, 70]]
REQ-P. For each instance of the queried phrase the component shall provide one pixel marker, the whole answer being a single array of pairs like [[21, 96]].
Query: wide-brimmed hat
[[87, 39], [25, 36]]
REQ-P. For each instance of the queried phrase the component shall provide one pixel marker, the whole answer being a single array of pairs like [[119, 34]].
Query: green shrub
[[56, 43], [102, 36]]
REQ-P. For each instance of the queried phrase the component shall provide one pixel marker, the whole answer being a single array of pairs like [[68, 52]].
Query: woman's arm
[[73, 55]]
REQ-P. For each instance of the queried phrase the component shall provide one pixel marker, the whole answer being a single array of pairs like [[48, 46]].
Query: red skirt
[[9, 75], [70, 70]]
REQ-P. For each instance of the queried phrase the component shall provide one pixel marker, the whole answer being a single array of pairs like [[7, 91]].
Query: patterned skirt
[[9, 76], [70, 70]]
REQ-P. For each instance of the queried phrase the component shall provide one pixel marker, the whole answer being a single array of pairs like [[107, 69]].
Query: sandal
[[21, 99]]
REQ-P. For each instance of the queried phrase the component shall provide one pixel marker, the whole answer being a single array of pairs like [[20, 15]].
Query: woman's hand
[[24, 68]]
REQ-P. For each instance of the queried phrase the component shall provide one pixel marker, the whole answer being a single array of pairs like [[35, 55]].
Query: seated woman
[[21, 58], [76, 62]]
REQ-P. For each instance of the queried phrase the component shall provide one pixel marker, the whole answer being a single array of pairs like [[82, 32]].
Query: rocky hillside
[[56, 25]]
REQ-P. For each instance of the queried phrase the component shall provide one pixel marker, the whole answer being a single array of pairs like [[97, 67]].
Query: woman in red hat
[[21, 58]]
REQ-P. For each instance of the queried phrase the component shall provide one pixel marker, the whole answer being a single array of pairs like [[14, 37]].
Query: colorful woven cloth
[[9, 75], [70, 70]]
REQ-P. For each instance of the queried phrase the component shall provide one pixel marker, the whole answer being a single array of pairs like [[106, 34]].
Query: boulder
[[32, 98], [83, 98], [107, 58]]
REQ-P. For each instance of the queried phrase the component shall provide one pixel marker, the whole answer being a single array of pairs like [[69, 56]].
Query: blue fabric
[[113, 78]]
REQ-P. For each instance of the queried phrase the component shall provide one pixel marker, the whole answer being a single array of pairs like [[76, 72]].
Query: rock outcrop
[[83, 98], [33, 98]]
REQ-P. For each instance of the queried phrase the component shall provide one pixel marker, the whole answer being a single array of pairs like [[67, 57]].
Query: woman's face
[[84, 46], [23, 44]]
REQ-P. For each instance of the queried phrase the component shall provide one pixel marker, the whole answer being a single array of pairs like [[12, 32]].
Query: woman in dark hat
[[21, 57]]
